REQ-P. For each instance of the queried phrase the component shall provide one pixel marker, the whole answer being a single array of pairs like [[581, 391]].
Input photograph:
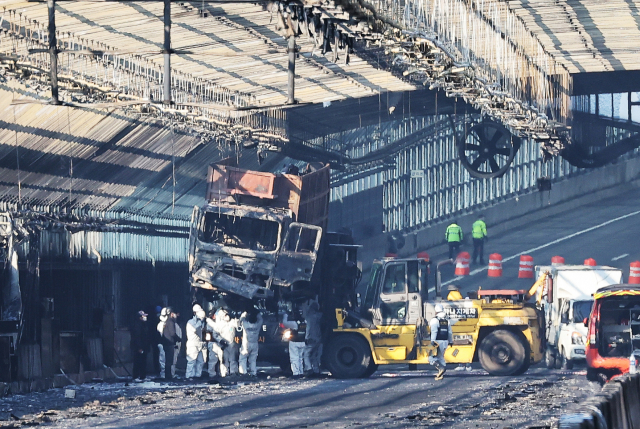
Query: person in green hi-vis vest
[[453, 236], [479, 234]]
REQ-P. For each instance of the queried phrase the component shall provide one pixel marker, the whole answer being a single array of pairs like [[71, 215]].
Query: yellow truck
[[497, 328]]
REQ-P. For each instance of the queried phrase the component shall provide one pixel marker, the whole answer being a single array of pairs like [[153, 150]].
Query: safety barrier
[[590, 262], [615, 407], [557, 260], [495, 265], [526, 267], [634, 273], [462, 264]]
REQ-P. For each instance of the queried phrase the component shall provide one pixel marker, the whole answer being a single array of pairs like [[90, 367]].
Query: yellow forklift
[[497, 328]]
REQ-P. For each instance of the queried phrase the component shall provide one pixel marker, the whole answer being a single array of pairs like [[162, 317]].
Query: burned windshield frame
[[241, 232]]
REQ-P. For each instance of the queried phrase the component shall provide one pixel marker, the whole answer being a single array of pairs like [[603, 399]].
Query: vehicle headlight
[[577, 338]]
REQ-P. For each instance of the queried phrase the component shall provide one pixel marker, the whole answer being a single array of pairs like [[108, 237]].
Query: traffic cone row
[[525, 271]]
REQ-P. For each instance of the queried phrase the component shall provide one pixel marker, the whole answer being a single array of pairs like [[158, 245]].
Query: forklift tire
[[503, 353], [371, 369], [349, 356]]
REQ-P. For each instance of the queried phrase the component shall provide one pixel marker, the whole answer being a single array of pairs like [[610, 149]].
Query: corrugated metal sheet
[[258, 64]]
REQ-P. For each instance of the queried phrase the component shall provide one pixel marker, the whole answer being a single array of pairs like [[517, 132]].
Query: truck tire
[[549, 359], [558, 364], [592, 374], [503, 353], [566, 363], [349, 356]]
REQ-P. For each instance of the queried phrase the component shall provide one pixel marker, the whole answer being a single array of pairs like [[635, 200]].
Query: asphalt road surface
[[394, 397], [389, 399], [605, 230]]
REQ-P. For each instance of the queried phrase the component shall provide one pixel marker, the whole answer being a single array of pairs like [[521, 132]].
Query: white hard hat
[[197, 308], [439, 308]]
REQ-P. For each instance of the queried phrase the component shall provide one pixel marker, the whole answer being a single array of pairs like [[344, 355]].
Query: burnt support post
[[167, 52], [291, 86], [53, 51]]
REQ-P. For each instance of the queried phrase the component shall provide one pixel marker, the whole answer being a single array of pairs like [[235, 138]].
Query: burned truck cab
[[247, 251], [258, 232]]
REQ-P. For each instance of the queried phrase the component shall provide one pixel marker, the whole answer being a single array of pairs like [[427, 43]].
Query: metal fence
[[425, 183]]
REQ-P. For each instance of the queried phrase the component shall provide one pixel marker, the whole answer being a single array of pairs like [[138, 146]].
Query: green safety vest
[[479, 229], [454, 233]]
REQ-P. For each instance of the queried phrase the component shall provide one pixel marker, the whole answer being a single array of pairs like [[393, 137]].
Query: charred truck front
[[260, 240]]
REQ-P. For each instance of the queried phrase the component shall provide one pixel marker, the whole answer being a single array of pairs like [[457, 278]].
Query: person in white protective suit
[[195, 346], [313, 340], [215, 346], [441, 336], [226, 327], [161, 355], [296, 336], [251, 323]]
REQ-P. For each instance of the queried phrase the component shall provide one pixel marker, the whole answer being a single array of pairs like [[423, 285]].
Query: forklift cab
[[396, 290]]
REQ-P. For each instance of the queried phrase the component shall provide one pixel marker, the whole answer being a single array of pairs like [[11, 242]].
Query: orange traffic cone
[[590, 262], [462, 264], [634, 273], [526, 267], [557, 260], [495, 265]]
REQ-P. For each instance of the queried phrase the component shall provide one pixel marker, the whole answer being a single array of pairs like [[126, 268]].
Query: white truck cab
[[567, 298]]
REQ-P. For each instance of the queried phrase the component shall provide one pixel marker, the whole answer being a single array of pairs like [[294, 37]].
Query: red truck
[[613, 331]]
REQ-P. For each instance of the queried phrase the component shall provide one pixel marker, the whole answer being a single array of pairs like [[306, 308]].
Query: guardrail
[[617, 406]]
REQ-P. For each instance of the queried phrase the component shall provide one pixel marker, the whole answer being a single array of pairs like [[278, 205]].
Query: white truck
[[567, 298]]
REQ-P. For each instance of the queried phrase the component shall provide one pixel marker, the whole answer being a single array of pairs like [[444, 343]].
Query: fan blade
[[478, 162], [494, 165], [472, 147], [496, 136], [503, 151]]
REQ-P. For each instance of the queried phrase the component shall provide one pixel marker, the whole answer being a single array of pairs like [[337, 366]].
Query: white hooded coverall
[[438, 361], [226, 327], [161, 355], [195, 346], [215, 351], [249, 349]]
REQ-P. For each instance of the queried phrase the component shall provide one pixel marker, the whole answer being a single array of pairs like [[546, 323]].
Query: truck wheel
[[566, 363], [349, 357], [502, 353], [549, 359], [558, 364], [592, 374]]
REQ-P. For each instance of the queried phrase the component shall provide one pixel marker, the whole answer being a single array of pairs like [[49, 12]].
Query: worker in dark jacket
[[170, 339], [140, 346]]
